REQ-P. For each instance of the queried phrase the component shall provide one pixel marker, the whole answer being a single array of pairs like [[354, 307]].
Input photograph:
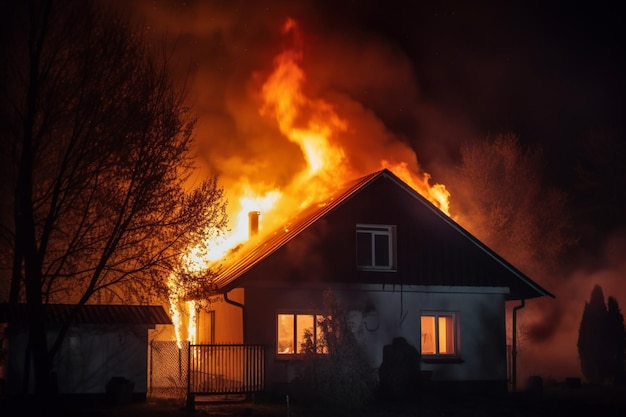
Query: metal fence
[[225, 369], [168, 370]]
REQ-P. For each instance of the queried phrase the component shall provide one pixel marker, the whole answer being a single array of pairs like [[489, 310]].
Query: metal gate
[[225, 369]]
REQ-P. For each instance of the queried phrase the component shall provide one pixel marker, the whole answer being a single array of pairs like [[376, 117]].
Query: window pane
[[428, 335], [381, 246], [364, 249], [286, 335], [304, 325], [446, 335]]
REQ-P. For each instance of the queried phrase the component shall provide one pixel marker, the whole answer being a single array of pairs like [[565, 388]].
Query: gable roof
[[502, 273], [89, 314]]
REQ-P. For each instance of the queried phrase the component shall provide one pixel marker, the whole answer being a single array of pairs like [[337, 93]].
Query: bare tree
[[504, 201], [501, 197], [97, 161]]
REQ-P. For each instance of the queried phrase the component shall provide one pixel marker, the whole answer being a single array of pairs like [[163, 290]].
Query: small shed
[[105, 344]]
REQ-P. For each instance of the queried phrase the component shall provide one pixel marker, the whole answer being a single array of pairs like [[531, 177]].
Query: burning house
[[383, 244], [401, 268]]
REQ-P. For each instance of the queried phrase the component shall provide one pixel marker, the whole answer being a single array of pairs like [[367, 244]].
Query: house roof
[[89, 314], [243, 260]]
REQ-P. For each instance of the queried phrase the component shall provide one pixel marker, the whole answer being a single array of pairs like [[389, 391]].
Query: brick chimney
[[253, 223]]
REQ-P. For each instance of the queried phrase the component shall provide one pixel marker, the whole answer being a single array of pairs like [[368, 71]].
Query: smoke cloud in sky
[[554, 353], [225, 51]]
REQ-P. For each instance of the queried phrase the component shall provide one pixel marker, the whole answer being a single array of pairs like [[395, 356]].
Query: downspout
[[243, 314], [253, 230], [514, 347]]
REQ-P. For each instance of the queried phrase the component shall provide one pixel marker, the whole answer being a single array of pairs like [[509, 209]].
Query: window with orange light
[[375, 247], [439, 334], [292, 332]]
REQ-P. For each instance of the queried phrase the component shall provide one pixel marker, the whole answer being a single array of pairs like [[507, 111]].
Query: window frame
[[295, 355], [438, 356], [375, 230]]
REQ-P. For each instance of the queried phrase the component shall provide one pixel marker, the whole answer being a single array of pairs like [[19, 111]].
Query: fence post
[[190, 397]]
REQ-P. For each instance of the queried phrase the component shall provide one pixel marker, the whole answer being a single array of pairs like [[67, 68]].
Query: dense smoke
[[227, 52], [554, 354]]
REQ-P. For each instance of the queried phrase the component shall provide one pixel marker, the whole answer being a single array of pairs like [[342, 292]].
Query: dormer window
[[375, 247]]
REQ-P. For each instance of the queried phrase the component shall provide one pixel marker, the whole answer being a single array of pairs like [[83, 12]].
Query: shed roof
[[89, 314], [247, 257]]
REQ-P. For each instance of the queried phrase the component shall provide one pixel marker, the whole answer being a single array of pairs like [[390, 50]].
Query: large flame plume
[[325, 139]]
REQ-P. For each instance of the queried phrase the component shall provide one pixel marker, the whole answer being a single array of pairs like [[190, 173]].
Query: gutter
[[514, 347], [243, 314]]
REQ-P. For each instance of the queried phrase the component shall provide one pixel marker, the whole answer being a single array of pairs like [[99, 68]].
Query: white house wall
[[481, 327], [481, 317]]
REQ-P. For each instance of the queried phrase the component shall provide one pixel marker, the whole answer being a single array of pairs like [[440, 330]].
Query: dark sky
[[548, 71], [551, 72]]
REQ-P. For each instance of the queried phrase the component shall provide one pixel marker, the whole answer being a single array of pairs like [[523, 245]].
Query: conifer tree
[[592, 346], [602, 340], [616, 341]]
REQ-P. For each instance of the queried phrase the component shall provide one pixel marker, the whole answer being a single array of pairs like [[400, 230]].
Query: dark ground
[[552, 401]]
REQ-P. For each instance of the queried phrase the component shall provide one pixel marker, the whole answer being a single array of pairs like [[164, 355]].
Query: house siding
[[229, 318], [481, 321]]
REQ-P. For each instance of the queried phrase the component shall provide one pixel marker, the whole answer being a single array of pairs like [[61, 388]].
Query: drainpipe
[[514, 347], [243, 314]]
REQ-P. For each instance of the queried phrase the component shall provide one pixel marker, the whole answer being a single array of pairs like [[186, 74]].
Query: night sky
[[433, 75], [550, 72]]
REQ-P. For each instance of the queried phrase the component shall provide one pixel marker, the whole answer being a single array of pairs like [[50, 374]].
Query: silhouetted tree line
[[602, 341]]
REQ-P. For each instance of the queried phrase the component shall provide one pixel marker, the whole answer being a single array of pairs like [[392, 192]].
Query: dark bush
[[399, 372], [342, 377]]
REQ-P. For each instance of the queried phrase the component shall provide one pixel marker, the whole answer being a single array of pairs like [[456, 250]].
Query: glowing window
[[375, 246], [292, 333], [439, 334]]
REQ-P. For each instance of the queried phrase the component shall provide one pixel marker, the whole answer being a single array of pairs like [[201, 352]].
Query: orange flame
[[436, 194], [317, 128], [311, 124]]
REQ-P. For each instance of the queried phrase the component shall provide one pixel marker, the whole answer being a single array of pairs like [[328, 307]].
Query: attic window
[[375, 247], [439, 333]]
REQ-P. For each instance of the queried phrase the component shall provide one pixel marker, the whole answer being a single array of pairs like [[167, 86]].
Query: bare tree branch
[[99, 151]]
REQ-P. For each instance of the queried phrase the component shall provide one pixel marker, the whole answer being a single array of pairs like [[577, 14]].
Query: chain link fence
[[168, 367]]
